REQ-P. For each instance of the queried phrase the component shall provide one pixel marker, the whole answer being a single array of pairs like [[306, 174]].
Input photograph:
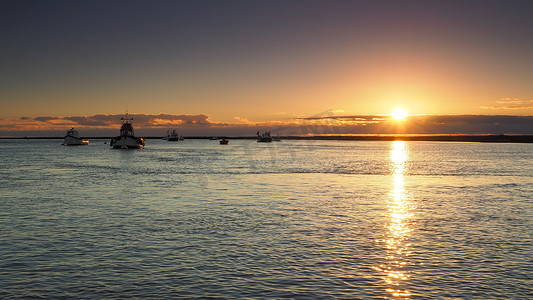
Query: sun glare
[[399, 114]]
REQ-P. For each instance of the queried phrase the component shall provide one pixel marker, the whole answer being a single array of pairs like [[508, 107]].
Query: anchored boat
[[73, 139], [127, 139], [264, 138], [173, 136]]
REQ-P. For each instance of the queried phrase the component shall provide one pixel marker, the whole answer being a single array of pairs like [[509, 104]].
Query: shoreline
[[428, 138]]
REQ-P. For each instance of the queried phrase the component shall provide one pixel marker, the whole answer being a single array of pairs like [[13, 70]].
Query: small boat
[[73, 139], [214, 138], [223, 142], [127, 139], [172, 136], [264, 138]]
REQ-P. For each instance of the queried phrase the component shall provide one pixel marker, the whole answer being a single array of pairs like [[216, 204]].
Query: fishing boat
[[264, 138], [223, 142], [127, 138], [73, 139], [172, 136]]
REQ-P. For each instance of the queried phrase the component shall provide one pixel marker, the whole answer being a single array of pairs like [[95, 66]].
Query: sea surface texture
[[289, 219]]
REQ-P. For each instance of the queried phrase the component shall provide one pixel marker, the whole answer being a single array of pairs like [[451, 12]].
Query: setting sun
[[399, 114]]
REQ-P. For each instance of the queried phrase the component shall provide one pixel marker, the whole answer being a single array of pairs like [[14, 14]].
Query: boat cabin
[[126, 128]]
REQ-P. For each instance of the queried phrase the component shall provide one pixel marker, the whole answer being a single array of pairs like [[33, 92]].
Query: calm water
[[295, 219]]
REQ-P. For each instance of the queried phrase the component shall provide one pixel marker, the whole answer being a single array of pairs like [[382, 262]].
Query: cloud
[[243, 120], [88, 121], [157, 124], [345, 118], [511, 103], [473, 124], [46, 119], [421, 124], [506, 107], [140, 120], [186, 119], [104, 122]]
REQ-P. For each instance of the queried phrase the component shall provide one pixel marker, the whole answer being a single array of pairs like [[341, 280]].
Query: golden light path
[[396, 242]]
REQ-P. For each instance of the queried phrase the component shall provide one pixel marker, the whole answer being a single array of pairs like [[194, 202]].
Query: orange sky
[[240, 62]]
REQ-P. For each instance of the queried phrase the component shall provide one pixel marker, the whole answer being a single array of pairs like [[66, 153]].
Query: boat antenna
[[126, 117]]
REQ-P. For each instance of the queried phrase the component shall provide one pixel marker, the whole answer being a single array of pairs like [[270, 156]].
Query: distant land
[[500, 138]]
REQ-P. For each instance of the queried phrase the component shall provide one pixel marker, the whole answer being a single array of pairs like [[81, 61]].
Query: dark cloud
[[424, 124], [157, 124], [46, 119], [87, 121], [140, 120], [469, 124]]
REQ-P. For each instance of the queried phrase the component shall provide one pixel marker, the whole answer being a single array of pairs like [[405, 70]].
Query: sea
[[296, 219]]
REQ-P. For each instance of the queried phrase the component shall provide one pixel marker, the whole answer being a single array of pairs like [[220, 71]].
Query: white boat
[[73, 139], [213, 138], [172, 136], [127, 139], [264, 138]]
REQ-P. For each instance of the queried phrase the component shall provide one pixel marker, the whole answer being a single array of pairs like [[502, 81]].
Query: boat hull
[[127, 142], [74, 141], [264, 140]]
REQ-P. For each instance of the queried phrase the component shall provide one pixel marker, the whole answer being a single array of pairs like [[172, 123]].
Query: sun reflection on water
[[396, 240]]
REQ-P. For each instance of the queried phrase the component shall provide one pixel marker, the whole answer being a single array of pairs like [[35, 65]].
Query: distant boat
[[127, 139], [264, 138], [172, 136], [213, 138], [223, 142], [73, 139]]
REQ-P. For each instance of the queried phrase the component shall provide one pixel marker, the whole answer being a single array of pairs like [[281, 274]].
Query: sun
[[399, 114]]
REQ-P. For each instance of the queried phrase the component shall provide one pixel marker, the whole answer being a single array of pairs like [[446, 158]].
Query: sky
[[303, 67]]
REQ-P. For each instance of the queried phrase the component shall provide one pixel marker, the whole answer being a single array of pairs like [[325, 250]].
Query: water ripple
[[297, 219]]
